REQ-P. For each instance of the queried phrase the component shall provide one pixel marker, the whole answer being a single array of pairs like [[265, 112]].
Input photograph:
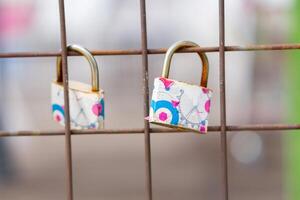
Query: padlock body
[[86, 107], [180, 105]]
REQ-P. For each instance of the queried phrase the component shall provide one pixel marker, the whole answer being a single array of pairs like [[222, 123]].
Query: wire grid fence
[[144, 52]]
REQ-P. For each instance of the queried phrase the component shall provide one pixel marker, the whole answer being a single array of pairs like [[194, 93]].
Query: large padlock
[[86, 101], [177, 104]]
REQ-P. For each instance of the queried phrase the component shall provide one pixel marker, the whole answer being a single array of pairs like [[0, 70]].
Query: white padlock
[[177, 104], [86, 101]]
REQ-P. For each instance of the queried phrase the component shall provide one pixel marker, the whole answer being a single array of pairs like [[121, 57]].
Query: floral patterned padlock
[[86, 101], [177, 104]]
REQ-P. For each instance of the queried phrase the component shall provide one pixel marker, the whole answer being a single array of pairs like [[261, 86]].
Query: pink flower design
[[57, 118], [207, 106], [202, 129], [163, 116], [97, 109], [205, 90], [167, 83], [175, 103]]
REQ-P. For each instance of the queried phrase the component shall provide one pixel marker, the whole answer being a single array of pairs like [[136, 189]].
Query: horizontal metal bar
[[257, 127], [74, 132], [154, 51]]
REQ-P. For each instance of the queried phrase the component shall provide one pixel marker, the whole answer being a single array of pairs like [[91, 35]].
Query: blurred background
[[261, 88]]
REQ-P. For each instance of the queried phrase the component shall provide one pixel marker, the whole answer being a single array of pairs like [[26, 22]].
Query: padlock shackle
[[90, 58], [181, 44]]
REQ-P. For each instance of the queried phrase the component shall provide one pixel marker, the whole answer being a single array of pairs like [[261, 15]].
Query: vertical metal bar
[[223, 100], [68, 144], [146, 99]]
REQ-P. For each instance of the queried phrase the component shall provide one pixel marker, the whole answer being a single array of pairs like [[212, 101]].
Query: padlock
[[86, 101], [178, 104]]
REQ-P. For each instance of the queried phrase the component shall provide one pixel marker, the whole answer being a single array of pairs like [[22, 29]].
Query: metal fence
[[147, 130]]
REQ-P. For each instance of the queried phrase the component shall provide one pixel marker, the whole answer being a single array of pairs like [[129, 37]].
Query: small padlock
[[177, 104], [86, 101]]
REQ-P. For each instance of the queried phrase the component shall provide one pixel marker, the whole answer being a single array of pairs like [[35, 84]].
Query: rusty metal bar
[[144, 52], [265, 47], [266, 128], [68, 142], [223, 100]]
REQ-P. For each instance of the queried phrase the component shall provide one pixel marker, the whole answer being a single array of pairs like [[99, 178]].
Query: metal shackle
[[181, 44], [90, 58]]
